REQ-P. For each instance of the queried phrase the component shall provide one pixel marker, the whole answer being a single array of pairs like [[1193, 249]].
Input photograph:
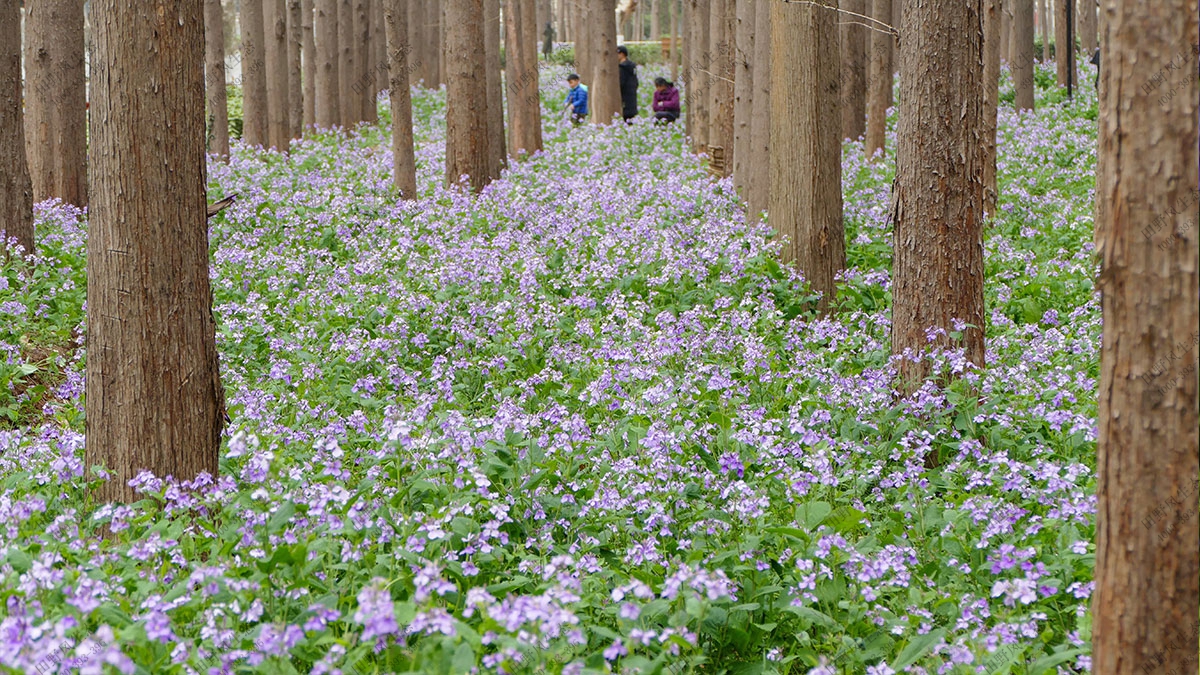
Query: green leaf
[[464, 658], [916, 648], [281, 517], [812, 513], [1049, 661]]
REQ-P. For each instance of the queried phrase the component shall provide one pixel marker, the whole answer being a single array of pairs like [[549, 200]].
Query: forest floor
[[581, 423]]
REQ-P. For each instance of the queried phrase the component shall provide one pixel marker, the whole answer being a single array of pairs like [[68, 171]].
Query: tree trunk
[[467, 145], [153, 395], [655, 33], [604, 99], [673, 55], [700, 56], [295, 44], [16, 188], [254, 74], [1043, 14], [879, 85], [991, 101], [854, 69], [1022, 53], [720, 88], [724, 81], [348, 99], [1005, 30], [1147, 561], [379, 44], [214, 78], [494, 92], [437, 33], [743, 93], [363, 62], [404, 163], [759, 181], [521, 64], [309, 52], [325, 30], [1064, 50], [56, 100], [937, 277], [278, 123], [806, 157], [583, 44], [1088, 33]]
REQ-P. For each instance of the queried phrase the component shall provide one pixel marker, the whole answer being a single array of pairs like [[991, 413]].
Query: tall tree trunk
[[743, 94], [1044, 28], [278, 124], [759, 180], [154, 399], [214, 78], [673, 54], [677, 43], [254, 74], [1006, 14], [1147, 561], [309, 52], [604, 99], [700, 55], [295, 45], [1088, 32], [879, 79], [467, 144], [494, 91], [379, 42], [584, 37], [720, 92], [521, 63], [325, 29], [363, 62], [1064, 50], [418, 43], [991, 101], [1022, 53], [348, 99], [437, 14], [655, 33], [806, 148], [937, 273], [55, 100], [404, 163], [854, 69], [16, 188]]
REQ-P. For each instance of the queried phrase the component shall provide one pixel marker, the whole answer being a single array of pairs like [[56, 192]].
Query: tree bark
[[806, 157], [497, 147], [348, 100], [521, 64], [254, 74], [584, 37], [379, 44], [16, 187], [700, 55], [743, 94], [154, 399], [440, 68], [364, 63], [1147, 561], [1005, 30], [404, 163], [278, 122], [759, 181], [854, 69], [1044, 28], [655, 33], [724, 22], [214, 78], [295, 44], [991, 101], [1022, 53], [672, 28], [604, 99], [467, 144], [55, 101], [879, 85], [937, 278], [419, 44], [325, 29], [309, 52], [1088, 29], [1064, 51]]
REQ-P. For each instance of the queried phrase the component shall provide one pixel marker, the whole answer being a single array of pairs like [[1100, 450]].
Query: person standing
[[627, 70], [548, 43]]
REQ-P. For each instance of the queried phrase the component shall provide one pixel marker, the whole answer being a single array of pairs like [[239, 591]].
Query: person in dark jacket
[[629, 83], [666, 100]]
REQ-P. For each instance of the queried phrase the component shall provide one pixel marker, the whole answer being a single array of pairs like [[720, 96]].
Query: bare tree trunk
[[1147, 561], [1022, 53], [673, 54], [583, 43], [437, 15], [497, 151], [404, 163], [467, 143], [278, 123], [154, 399], [365, 82], [16, 188], [759, 181], [1044, 20], [1064, 50], [937, 211], [604, 99], [254, 74], [1006, 14], [700, 56], [521, 64], [1088, 33], [309, 52], [879, 85], [325, 29], [806, 157], [991, 101], [379, 43], [677, 44], [295, 43], [720, 92], [418, 43], [743, 106], [348, 100], [55, 101], [655, 34], [854, 70], [214, 78]]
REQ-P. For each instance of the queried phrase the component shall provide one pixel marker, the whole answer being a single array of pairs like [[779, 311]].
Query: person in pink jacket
[[666, 101]]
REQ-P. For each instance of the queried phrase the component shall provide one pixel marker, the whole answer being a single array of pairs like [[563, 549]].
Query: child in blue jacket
[[577, 99]]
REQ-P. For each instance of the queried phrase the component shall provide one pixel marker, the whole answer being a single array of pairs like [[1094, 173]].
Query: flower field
[[584, 422]]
